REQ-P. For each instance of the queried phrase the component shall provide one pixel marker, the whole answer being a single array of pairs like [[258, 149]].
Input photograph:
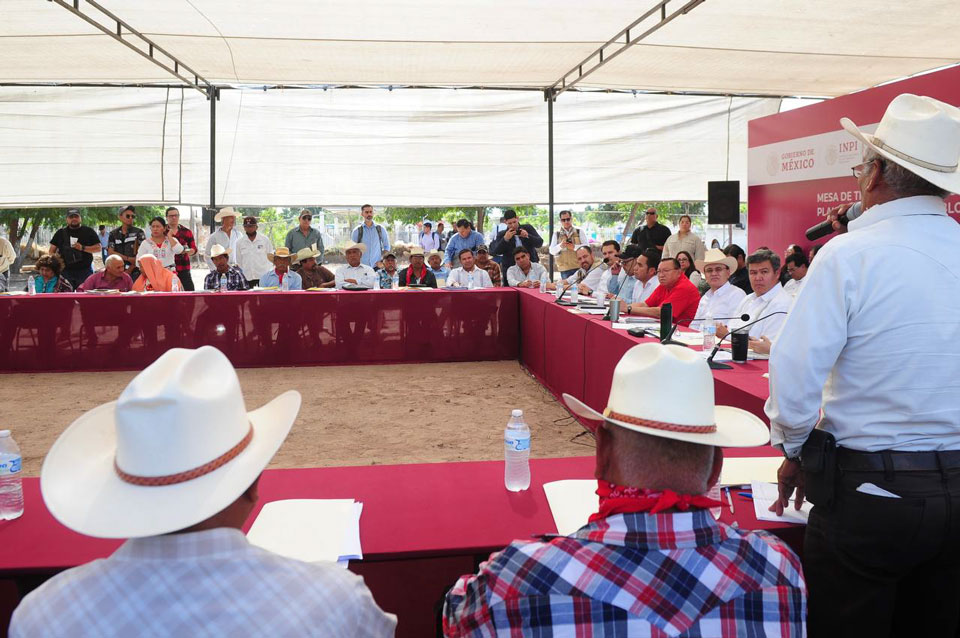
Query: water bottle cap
[[516, 413], [4, 434]]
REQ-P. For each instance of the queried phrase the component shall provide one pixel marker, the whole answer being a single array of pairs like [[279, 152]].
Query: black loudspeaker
[[723, 202]]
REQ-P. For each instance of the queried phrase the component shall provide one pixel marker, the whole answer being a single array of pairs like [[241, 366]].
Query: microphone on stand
[[608, 316], [714, 365], [580, 278], [676, 324], [825, 228]]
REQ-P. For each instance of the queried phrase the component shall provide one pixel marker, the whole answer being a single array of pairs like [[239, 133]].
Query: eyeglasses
[[664, 271], [564, 219], [127, 216], [307, 217], [714, 271], [860, 169]]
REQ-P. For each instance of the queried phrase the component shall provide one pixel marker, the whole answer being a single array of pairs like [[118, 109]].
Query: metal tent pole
[[213, 93], [549, 96]]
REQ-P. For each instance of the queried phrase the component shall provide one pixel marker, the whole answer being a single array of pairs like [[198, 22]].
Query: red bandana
[[620, 499], [423, 273]]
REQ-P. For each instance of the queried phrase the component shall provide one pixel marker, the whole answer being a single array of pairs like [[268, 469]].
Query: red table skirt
[[109, 332]]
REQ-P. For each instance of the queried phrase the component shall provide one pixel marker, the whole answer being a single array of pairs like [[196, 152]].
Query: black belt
[[886, 461]]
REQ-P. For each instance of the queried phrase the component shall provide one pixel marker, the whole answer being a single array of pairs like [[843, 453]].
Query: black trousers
[[186, 279], [878, 566]]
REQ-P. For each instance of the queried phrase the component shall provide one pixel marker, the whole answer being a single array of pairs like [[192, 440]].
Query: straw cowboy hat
[[359, 246], [416, 250], [716, 256], [306, 253], [218, 251], [920, 134], [281, 252], [224, 212], [177, 447], [667, 391]]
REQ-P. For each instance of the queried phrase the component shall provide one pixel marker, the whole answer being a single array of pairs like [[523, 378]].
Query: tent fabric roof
[[788, 47]]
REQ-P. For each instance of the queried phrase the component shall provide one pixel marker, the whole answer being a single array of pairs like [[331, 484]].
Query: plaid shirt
[[493, 269], [635, 574], [236, 280], [209, 583], [185, 236]]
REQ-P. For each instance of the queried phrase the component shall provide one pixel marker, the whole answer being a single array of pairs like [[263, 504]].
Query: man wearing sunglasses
[[304, 236], [125, 241]]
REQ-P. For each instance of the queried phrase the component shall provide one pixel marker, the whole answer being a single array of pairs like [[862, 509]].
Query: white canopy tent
[[335, 146]]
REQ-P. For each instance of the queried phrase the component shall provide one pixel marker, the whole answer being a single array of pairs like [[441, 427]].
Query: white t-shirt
[[164, 252]]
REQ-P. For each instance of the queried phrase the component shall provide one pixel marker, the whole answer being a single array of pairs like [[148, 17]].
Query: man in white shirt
[[355, 272], [767, 298], [613, 277], [525, 273], [467, 275], [864, 387], [178, 482], [645, 275], [723, 298], [227, 237], [254, 252], [796, 265], [587, 277]]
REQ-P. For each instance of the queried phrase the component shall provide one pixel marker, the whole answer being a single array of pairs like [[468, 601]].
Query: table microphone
[[825, 228], [714, 365], [607, 316], [676, 324], [560, 301]]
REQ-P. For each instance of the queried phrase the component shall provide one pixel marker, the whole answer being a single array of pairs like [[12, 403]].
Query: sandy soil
[[351, 415]]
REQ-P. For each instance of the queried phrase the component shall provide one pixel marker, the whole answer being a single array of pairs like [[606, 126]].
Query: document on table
[[745, 470], [764, 494], [594, 311], [571, 503], [725, 355], [310, 530]]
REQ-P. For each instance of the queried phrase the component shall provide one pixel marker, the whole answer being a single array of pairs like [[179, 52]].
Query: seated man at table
[[652, 560], [674, 289], [281, 274], [587, 277], [389, 269], [493, 268], [525, 273], [435, 263], [417, 273], [467, 275], [767, 298], [236, 280], [722, 298], [614, 275], [312, 274], [354, 272], [179, 481], [111, 277]]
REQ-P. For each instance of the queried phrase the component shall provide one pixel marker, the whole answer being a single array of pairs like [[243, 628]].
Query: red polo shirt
[[684, 296]]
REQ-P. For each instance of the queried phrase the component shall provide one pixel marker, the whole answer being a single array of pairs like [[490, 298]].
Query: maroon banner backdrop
[[799, 162]]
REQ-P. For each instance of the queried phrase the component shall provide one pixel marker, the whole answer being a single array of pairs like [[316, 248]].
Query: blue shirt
[[270, 278], [626, 290], [440, 273], [458, 243], [370, 237]]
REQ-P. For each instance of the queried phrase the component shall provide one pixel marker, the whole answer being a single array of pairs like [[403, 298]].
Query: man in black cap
[[125, 241], [76, 244], [515, 234]]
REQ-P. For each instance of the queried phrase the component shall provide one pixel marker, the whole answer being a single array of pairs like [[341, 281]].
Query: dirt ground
[[351, 415]]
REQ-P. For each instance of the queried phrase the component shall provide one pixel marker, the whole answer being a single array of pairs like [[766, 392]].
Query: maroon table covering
[[110, 332], [576, 353], [423, 525]]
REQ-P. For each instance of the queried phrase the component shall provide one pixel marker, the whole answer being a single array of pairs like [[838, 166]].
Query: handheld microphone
[[722, 366], [825, 228]]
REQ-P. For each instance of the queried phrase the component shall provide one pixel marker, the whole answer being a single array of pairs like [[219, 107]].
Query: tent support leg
[[213, 95], [549, 97]]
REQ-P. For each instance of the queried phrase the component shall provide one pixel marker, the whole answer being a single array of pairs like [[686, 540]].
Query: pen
[[745, 494], [730, 500]]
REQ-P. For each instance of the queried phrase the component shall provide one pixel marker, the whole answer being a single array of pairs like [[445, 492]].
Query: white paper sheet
[[743, 471], [310, 530], [594, 311], [764, 494], [725, 355], [571, 503]]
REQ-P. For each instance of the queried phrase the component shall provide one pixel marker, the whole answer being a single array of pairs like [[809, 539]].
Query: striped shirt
[[680, 574]]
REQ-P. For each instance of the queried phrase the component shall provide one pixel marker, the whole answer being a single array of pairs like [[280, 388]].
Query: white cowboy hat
[[218, 251], [177, 447], [358, 245], [919, 133], [306, 253], [416, 250], [224, 212], [438, 253], [716, 256], [667, 391]]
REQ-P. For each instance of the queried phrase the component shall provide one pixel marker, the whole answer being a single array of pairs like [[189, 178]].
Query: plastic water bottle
[[11, 485], [223, 283], [285, 284], [543, 284], [395, 283], [516, 453], [470, 285], [709, 333], [575, 293], [32, 286], [559, 289]]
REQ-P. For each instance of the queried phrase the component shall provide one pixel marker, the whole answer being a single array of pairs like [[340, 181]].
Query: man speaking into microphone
[[873, 341]]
